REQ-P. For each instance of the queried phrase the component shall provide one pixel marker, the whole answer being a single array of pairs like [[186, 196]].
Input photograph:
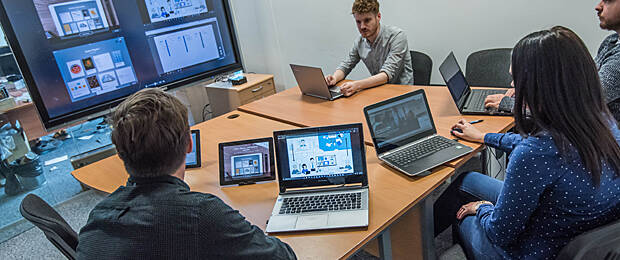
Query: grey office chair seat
[[422, 68], [600, 243], [55, 228], [489, 68]]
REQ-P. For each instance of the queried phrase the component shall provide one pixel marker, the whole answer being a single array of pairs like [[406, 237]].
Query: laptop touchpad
[[282, 222], [339, 219], [311, 222]]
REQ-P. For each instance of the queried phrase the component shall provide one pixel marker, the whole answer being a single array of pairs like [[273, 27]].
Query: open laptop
[[469, 101], [312, 82], [322, 178], [405, 137]]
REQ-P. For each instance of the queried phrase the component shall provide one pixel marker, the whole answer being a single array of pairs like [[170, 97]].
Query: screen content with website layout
[[321, 155], [247, 161], [103, 50]]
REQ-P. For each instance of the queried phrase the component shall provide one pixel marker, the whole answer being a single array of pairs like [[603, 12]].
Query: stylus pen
[[476, 121]]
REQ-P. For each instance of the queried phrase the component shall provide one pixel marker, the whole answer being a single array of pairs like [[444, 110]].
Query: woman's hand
[[469, 132], [470, 209]]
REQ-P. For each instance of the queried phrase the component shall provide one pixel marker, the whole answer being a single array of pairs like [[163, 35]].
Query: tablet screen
[[246, 161], [192, 160]]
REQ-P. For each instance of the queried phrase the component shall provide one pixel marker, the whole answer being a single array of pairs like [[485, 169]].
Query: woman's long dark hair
[[556, 79]]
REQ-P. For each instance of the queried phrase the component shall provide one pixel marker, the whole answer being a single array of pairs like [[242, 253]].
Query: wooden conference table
[[291, 107], [392, 195], [399, 205]]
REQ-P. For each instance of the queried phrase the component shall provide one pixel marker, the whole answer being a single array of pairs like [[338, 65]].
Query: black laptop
[[469, 101], [405, 137]]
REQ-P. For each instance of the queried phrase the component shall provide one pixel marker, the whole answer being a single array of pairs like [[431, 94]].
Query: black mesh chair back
[[599, 243], [489, 68], [55, 228], [422, 68]]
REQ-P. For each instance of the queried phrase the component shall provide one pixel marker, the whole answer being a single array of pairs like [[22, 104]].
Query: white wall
[[274, 33]]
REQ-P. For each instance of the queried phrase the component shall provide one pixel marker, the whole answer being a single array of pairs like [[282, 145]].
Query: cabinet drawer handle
[[257, 89]]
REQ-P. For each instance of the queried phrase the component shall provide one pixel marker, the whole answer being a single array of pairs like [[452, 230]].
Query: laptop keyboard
[[419, 150], [333, 202], [476, 101]]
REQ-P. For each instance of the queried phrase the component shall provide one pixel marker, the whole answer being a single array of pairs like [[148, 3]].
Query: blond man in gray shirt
[[384, 50]]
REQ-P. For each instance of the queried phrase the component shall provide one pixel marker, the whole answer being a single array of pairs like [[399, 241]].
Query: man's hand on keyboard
[[492, 101]]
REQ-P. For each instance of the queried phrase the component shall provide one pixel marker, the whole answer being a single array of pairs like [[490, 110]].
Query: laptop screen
[[454, 78], [399, 121], [320, 156]]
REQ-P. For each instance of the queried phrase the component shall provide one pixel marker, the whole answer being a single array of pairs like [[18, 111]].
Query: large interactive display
[[80, 58]]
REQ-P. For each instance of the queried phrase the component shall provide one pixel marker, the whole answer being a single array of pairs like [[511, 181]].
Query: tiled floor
[[60, 185], [32, 244]]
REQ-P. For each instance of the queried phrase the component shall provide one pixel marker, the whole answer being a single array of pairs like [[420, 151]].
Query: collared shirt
[[389, 53], [547, 198], [160, 218]]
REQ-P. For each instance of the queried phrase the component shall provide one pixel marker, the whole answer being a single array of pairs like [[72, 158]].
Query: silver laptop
[[405, 137], [322, 178], [312, 82]]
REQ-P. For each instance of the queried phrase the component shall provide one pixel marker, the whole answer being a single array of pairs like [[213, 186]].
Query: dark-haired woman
[[563, 174]]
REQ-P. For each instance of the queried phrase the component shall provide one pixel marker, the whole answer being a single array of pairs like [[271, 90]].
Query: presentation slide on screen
[[320, 155], [246, 160], [246, 165], [162, 10], [182, 46], [96, 68], [66, 18]]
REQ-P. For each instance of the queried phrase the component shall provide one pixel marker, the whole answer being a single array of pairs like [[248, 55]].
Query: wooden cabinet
[[225, 99]]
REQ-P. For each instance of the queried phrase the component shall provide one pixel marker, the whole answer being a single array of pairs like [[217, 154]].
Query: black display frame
[[107, 107], [324, 181], [250, 180], [196, 144]]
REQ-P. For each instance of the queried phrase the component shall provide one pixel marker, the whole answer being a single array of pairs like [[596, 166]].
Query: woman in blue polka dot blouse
[[562, 178]]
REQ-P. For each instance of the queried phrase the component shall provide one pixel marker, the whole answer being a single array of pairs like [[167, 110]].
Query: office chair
[[422, 68], [55, 228], [599, 243], [489, 68]]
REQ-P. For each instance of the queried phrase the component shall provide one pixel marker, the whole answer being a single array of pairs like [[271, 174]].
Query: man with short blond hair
[[156, 216], [384, 49]]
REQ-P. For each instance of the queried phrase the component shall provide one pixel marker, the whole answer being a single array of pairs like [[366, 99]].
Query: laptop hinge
[[464, 99], [336, 188]]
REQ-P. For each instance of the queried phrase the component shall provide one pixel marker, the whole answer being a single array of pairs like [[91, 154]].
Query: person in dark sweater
[[563, 176], [607, 61], [156, 216]]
